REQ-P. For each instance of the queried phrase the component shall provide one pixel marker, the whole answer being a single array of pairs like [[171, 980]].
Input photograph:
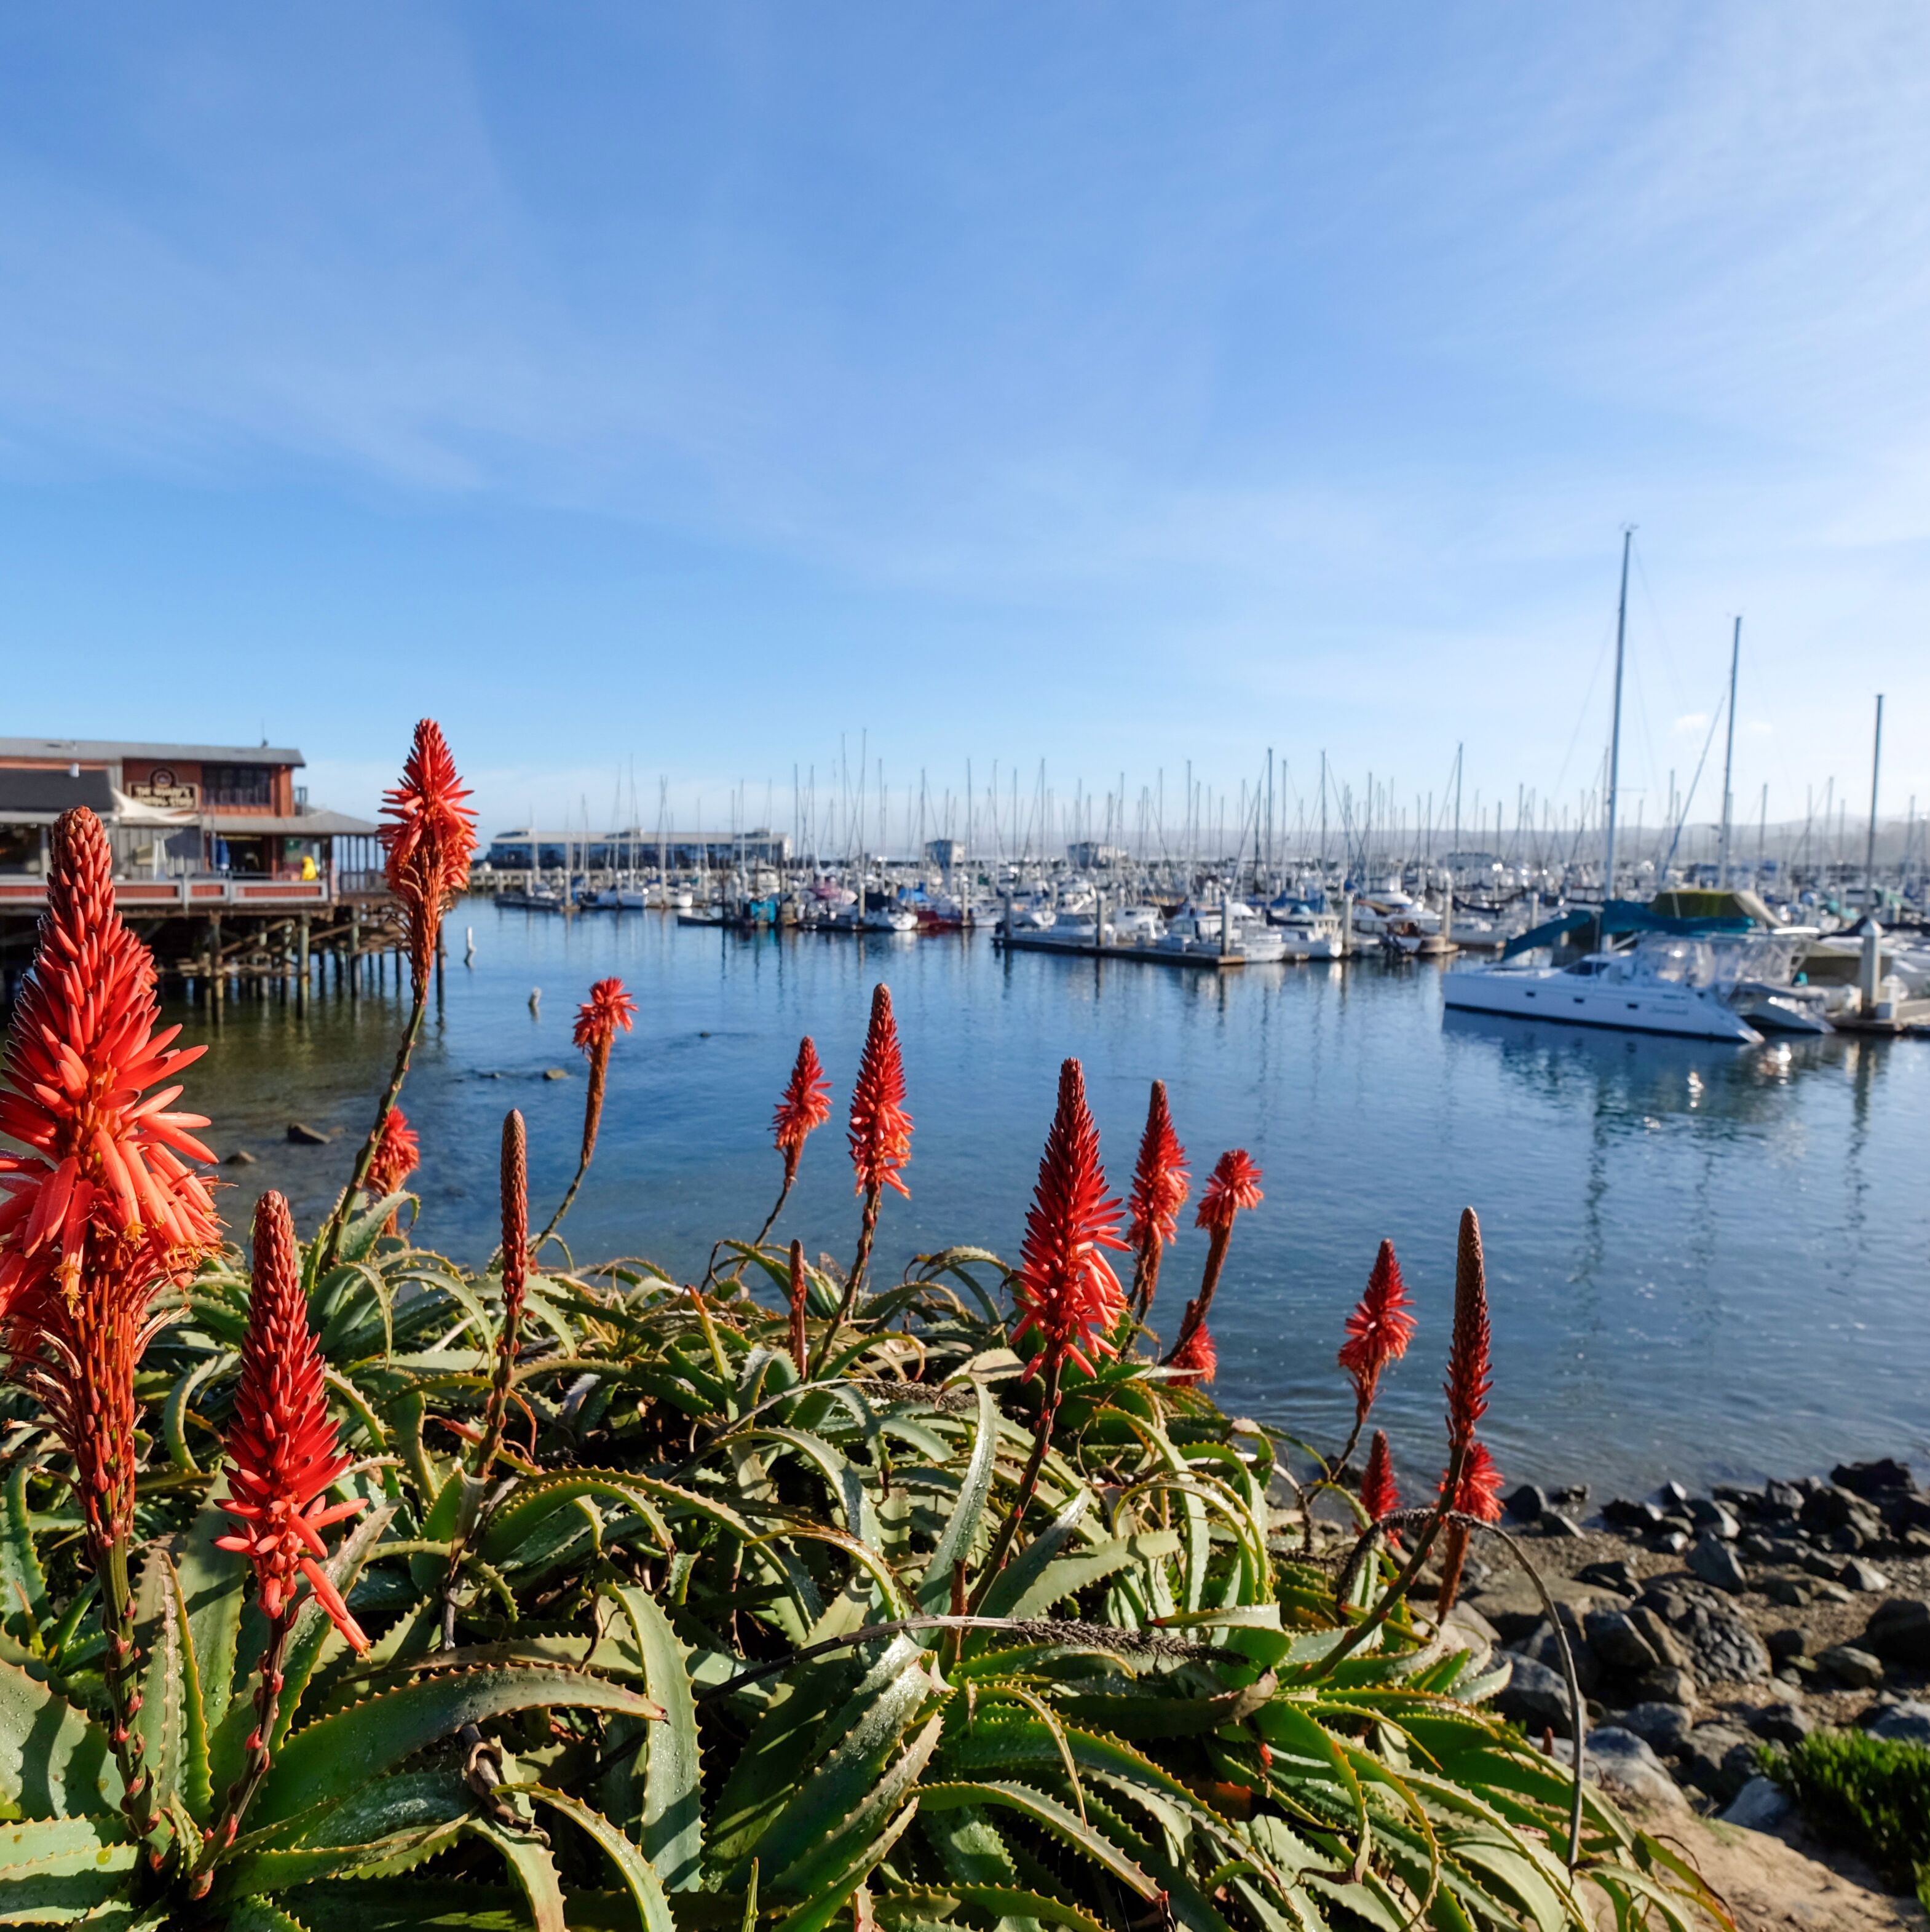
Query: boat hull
[[1686, 1012]]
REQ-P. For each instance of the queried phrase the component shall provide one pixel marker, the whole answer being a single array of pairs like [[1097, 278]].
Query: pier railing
[[26, 892]]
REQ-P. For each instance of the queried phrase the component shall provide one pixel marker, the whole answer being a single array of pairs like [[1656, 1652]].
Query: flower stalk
[[803, 1108], [608, 1009], [1232, 1188], [1160, 1186]]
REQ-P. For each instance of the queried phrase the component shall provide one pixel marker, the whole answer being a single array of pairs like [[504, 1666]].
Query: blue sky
[[1115, 386]]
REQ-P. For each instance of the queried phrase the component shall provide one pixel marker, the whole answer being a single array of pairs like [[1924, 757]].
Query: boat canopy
[[1621, 916]]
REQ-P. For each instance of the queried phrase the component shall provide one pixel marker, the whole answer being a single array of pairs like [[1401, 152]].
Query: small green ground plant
[[1872, 1793]]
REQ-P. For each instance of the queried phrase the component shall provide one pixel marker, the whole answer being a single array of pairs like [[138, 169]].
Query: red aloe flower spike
[[397, 1155], [880, 1138], [98, 1215], [1378, 1330], [1379, 1497], [1232, 1187], [608, 1009], [1160, 1185], [881, 1130], [515, 1179], [1196, 1358], [1471, 1483], [804, 1108], [283, 1454], [1068, 1295], [800, 1287], [427, 841]]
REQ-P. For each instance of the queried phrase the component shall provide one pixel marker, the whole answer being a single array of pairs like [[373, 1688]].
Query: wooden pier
[[1197, 957]]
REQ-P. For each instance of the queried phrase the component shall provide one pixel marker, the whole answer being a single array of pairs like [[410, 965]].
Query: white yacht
[[1308, 929], [1662, 984]]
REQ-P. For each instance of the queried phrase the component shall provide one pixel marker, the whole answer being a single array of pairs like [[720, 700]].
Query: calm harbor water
[[1705, 1261]]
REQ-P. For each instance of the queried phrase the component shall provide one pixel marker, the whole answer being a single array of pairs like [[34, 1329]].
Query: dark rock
[[1553, 1523], [1722, 1649], [1786, 1724], [1528, 1504], [1900, 1631], [1817, 1565], [1673, 1498], [1658, 1636], [1794, 1593], [1831, 1510], [303, 1135], [1862, 1578], [1570, 1496], [1673, 1542], [1616, 1755], [1616, 1574], [1669, 1685], [1784, 1644], [1761, 1805], [1781, 1502], [1626, 1515], [1906, 1723], [1850, 1538], [1857, 1669], [1615, 1640], [1514, 1606], [1545, 1647], [1720, 1759], [1875, 1479], [1746, 1497], [241, 1157], [1716, 1563], [1535, 1696], [1712, 1519], [1661, 1727]]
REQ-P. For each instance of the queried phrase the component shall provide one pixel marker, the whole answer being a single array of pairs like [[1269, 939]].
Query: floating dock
[[1152, 955]]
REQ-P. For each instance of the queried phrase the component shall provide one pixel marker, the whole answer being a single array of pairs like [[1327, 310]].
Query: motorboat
[[890, 919], [1308, 929], [1665, 983]]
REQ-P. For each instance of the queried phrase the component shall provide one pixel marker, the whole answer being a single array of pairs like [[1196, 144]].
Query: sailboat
[[1669, 981]]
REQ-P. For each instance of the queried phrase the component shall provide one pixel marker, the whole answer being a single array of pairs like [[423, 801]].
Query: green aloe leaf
[[961, 1527], [54, 1762], [1053, 1816], [323, 1762], [172, 1720], [658, 1789], [24, 1606], [58, 1870], [640, 1880], [534, 1870]]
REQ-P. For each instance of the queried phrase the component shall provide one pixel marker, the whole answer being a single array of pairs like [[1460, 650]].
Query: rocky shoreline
[[1704, 1627]]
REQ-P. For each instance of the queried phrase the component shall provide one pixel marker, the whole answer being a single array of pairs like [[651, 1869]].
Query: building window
[[250, 785]]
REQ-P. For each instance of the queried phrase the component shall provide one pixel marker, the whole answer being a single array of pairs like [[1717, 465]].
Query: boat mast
[[1729, 759], [1869, 846], [1615, 733]]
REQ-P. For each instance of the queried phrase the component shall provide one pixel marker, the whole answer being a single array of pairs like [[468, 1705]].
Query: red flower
[[1233, 1186], [1196, 1358], [1160, 1181], [1068, 1294], [881, 1130], [1378, 1495], [804, 1107], [1378, 1330], [101, 1210], [397, 1155], [428, 841], [608, 1007], [1478, 1492], [282, 1451], [1469, 1374]]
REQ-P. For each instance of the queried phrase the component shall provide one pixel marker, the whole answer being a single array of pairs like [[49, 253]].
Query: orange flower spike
[[1160, 1186], [608, 1009], [282, 1453], [1233, 1189], [1478, 1493], [804, 1107], [1378, 1330], [428, 841], [397, 1155], [1196, 1359], [105, 1182], [1379, 1495], [1068, 1295], [881, 1130]]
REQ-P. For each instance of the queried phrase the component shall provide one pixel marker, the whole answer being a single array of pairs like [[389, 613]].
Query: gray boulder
[[1668, 1685], [1900, 1631], [1863, 1578], [1615, 1638], [1712, 1519], [1717, 1564], [1906, 1723], [1761, 1805], [1721, 1648], [1856, 1669], [1661, 1727], [1543, 1646], [1534, 1696], [1615, 1755], [1721, 1760]]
